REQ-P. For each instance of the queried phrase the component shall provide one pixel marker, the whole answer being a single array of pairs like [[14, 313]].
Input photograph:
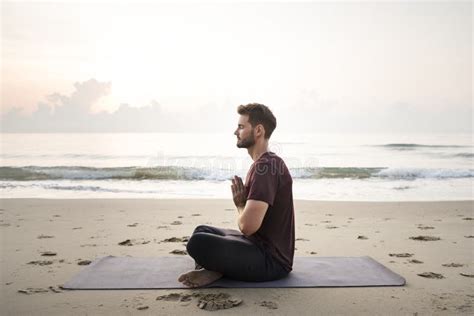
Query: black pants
[[234, 255]]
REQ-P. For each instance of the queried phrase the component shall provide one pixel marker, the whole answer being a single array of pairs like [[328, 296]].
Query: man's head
[[256, 122]]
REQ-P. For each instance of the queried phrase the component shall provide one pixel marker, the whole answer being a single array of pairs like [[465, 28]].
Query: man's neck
[[258, 150]]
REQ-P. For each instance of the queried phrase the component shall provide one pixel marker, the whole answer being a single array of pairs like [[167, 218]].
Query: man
[[264, 247]]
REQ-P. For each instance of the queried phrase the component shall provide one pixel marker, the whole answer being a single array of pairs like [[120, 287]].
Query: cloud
[[74, 113], [312, 112], [60, 113]]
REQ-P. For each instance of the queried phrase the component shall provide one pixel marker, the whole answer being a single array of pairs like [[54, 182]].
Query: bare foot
[[196, 278]]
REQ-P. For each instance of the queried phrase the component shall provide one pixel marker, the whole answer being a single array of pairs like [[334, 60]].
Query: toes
[[190, 284], [187, 283]]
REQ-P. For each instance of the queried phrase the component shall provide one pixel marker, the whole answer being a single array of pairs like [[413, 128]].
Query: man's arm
[[251, 217], [251, 212]]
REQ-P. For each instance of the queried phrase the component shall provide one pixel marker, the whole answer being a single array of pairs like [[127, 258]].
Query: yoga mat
[[162, 273]]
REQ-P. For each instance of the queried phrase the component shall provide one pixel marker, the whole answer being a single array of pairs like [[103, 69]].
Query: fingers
[[240, 182], [237, 186], [232, 187], [237, 181]]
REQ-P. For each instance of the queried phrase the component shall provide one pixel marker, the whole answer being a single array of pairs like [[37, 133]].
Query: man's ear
[[260, 129]]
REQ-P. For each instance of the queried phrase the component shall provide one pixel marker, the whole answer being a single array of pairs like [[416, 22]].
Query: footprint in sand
[[176, 223], [401, 255], [468, 218], [132, 225], [302, 239], [176, 239], [431, 275], [470, 236], [141, 308], [174, 297], [44, 236], [88, 245], [332, 227], [169, 297], [453, 265], [269, 304], [41, 262], [467, 275], [212, 302], [179, 252], [196, 214], [48, 253], [34, 290], [420, 226], [84, 262], [415, 261], [425, 238], [131, 242], [362, 237]]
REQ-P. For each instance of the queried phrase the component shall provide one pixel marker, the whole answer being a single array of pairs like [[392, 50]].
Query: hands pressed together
[[238, 192]]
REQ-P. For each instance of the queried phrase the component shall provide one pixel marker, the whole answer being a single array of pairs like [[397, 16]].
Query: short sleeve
[[263, 183]]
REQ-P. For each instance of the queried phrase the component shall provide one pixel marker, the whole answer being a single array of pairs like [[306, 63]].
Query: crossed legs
[[218, 252]]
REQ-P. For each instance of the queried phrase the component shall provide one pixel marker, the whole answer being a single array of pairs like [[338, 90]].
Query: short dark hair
[[259, 114]]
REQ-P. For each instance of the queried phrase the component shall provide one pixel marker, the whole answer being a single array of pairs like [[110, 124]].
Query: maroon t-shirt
[[270, 181]]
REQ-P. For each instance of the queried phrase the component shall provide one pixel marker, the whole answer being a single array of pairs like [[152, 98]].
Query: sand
[[44, 242]]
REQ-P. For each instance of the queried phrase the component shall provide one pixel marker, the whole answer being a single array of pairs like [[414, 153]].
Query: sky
[[371, 66]]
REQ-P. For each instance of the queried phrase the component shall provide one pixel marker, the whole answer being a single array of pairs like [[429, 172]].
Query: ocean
[[331, 167]]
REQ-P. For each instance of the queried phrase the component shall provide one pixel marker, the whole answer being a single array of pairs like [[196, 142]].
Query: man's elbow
[[248, 230]]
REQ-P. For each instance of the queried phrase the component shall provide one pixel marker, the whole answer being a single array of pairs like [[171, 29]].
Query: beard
[[246, 142]]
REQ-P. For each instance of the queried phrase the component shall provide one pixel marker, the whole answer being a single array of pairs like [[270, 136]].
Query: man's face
[[244, 133]]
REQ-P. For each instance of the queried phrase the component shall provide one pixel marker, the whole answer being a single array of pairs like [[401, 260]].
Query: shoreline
[[229, 199], [86, 229]]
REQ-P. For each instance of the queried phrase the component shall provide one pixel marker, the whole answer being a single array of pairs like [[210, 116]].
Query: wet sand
[[45, 242]]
